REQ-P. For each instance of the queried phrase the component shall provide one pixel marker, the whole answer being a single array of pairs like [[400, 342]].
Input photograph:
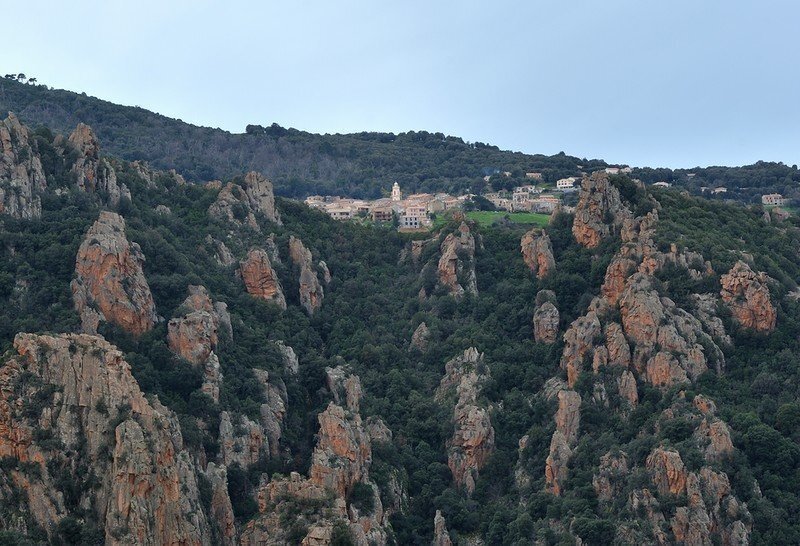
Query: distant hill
[[358, 165], [299, 163]]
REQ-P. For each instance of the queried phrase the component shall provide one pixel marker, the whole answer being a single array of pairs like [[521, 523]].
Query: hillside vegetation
[[631, 376]]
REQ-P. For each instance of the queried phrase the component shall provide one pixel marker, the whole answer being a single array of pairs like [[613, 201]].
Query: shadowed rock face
[[21, 174], [537, 252], [472, 442], [109, 283], [260, 279], [146, 491], [420, 338], [239, 204], [440, 535], [311, 293], [598, 206], [92, 172], [545, 318], [458, 260], [747, 296]]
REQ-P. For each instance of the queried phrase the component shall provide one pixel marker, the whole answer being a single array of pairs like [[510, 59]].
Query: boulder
[[109, 282]]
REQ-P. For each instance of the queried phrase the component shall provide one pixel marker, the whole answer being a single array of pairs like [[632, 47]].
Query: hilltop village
[[418, 211]]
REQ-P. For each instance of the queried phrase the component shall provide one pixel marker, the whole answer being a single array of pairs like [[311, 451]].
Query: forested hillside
[[357, 165], [209, 364]]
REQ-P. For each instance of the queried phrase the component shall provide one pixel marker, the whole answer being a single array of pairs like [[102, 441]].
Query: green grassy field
[[486, 218]]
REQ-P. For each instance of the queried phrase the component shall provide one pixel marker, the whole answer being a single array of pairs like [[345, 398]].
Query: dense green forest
[[357, 165]]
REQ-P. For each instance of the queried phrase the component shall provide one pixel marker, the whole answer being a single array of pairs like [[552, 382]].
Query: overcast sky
[[675, 83]]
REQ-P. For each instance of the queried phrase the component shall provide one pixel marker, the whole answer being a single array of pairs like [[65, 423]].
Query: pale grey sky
[[674, 83]]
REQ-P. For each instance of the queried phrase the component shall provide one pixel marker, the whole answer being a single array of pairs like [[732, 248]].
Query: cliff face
[[473, 439], [747, 296], [109, 282], [311, 293], [21, 174], [457, 263], [260, 279], [599, 201], [93, 173], [537, 252], [146, 491]]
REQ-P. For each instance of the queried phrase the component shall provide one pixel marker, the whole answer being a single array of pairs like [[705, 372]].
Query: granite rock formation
[[21, 175], [537, 252], [145, 490], [457, 263], [747, 296], [545, 318], [109, 282], [260, 280], [311, 292]]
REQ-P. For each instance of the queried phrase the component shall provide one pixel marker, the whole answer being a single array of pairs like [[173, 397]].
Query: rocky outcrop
[[564, 438], [667, 470], [704, 307], [261, 196], [233, 206], [472, 442], [747, 296], [260, 279], [273, 410], [545, 318], [145, 490], [599, 210], [290, 361], [195, 334], [440, 535], [420, 338], [340, 460], [578, 344], [109, 282], [221, 510], [21, 175], [555, 466], [610, 479], [220, 251], [241, 440], [311, 293], [238, 204], [537, 252], [343, 452], [457, 263], [667, 339], [93, 173]]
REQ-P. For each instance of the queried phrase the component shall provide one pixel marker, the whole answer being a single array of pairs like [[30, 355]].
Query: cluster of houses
[[412, 212], [416, 211]]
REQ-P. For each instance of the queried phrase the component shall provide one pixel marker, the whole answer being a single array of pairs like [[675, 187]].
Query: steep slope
[[642, 390]]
